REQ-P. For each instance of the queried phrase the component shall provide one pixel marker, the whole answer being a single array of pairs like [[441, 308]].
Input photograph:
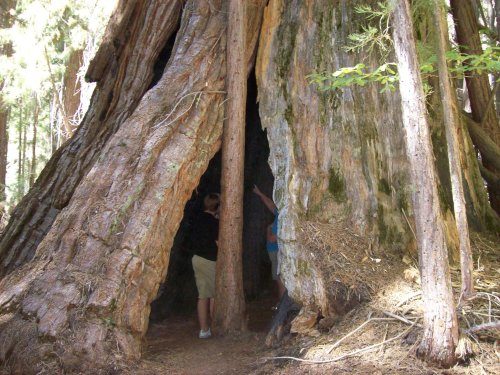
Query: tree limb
[[490, 152], [484, 327]]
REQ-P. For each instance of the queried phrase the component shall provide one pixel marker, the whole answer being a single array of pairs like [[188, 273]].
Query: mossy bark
[[340, 155]]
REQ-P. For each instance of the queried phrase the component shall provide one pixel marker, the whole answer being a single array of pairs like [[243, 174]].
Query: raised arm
[[265, 199]]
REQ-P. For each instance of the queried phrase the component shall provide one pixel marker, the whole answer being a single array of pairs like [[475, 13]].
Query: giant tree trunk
[[440, 321], [230, 301], [83, 300], [467, 30], [337, 156]]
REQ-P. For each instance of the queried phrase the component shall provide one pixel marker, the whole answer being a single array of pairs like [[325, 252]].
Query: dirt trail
[[173, 346]]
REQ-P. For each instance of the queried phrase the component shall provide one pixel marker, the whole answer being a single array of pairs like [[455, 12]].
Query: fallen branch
[[353, 332], [402, 319], [350, 354], [483, 327]]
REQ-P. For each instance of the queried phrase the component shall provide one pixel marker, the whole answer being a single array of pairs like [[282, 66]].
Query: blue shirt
[[273, 246]]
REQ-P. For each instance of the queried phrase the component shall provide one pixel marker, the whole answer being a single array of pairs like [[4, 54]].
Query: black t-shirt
[[204, 233]]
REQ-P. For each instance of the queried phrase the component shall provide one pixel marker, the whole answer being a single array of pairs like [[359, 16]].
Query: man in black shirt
[[204, 247]]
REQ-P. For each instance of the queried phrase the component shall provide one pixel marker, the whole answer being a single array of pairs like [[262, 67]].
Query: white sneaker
[[205, 334]]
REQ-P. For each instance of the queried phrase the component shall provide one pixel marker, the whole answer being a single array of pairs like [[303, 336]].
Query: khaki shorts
[[204, 273], [273, 255]]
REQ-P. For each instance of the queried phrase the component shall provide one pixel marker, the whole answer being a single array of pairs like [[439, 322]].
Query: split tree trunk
[[451, 122], [83, 301], [440, 321], [230, 299]]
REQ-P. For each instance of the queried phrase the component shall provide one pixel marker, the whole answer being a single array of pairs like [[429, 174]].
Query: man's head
[[211, 202]]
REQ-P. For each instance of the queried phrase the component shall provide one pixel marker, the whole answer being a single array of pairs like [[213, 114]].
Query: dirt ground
[[173, 346], [367, 341]]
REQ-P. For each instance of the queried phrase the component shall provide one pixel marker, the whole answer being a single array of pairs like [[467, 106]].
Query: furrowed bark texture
[[440, 322], [123, 67], [230, 307], [451, 122], [85, 297]]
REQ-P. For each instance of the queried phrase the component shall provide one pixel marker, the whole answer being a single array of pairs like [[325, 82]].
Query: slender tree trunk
[[36, 110], [497, 75], [24, 164], [71, 91], [451, 121], [467, 31], [230, 300], [440, 321], [20, 151], [4, 143]]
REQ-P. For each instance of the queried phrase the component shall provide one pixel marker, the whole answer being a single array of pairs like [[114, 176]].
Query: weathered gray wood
[[451, 123], [440, 321]]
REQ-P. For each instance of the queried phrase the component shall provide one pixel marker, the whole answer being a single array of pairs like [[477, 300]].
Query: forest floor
[[373, 341]]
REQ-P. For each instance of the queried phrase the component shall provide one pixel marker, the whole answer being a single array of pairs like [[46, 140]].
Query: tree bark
[[87, 292], [467, 31], [230, 305], [123, 67], [451, 121], [440, 321]]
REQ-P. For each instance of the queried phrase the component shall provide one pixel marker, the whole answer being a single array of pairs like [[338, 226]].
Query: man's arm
[[265, 199]]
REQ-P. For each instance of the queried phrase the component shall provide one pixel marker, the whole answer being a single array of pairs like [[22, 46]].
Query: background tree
[[483, 113], [45, 38], [6, 20]]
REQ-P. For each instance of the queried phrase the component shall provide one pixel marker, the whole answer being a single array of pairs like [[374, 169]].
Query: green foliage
[[386, 75], [487, 62], [375, 36]]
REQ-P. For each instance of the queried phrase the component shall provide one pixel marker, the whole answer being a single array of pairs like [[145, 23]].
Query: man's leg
[[203, 313]]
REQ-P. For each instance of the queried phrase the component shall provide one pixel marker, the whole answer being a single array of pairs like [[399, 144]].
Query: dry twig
[[350, 354]]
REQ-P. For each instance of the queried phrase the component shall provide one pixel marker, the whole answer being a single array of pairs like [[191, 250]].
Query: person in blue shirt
[[272, 240]]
